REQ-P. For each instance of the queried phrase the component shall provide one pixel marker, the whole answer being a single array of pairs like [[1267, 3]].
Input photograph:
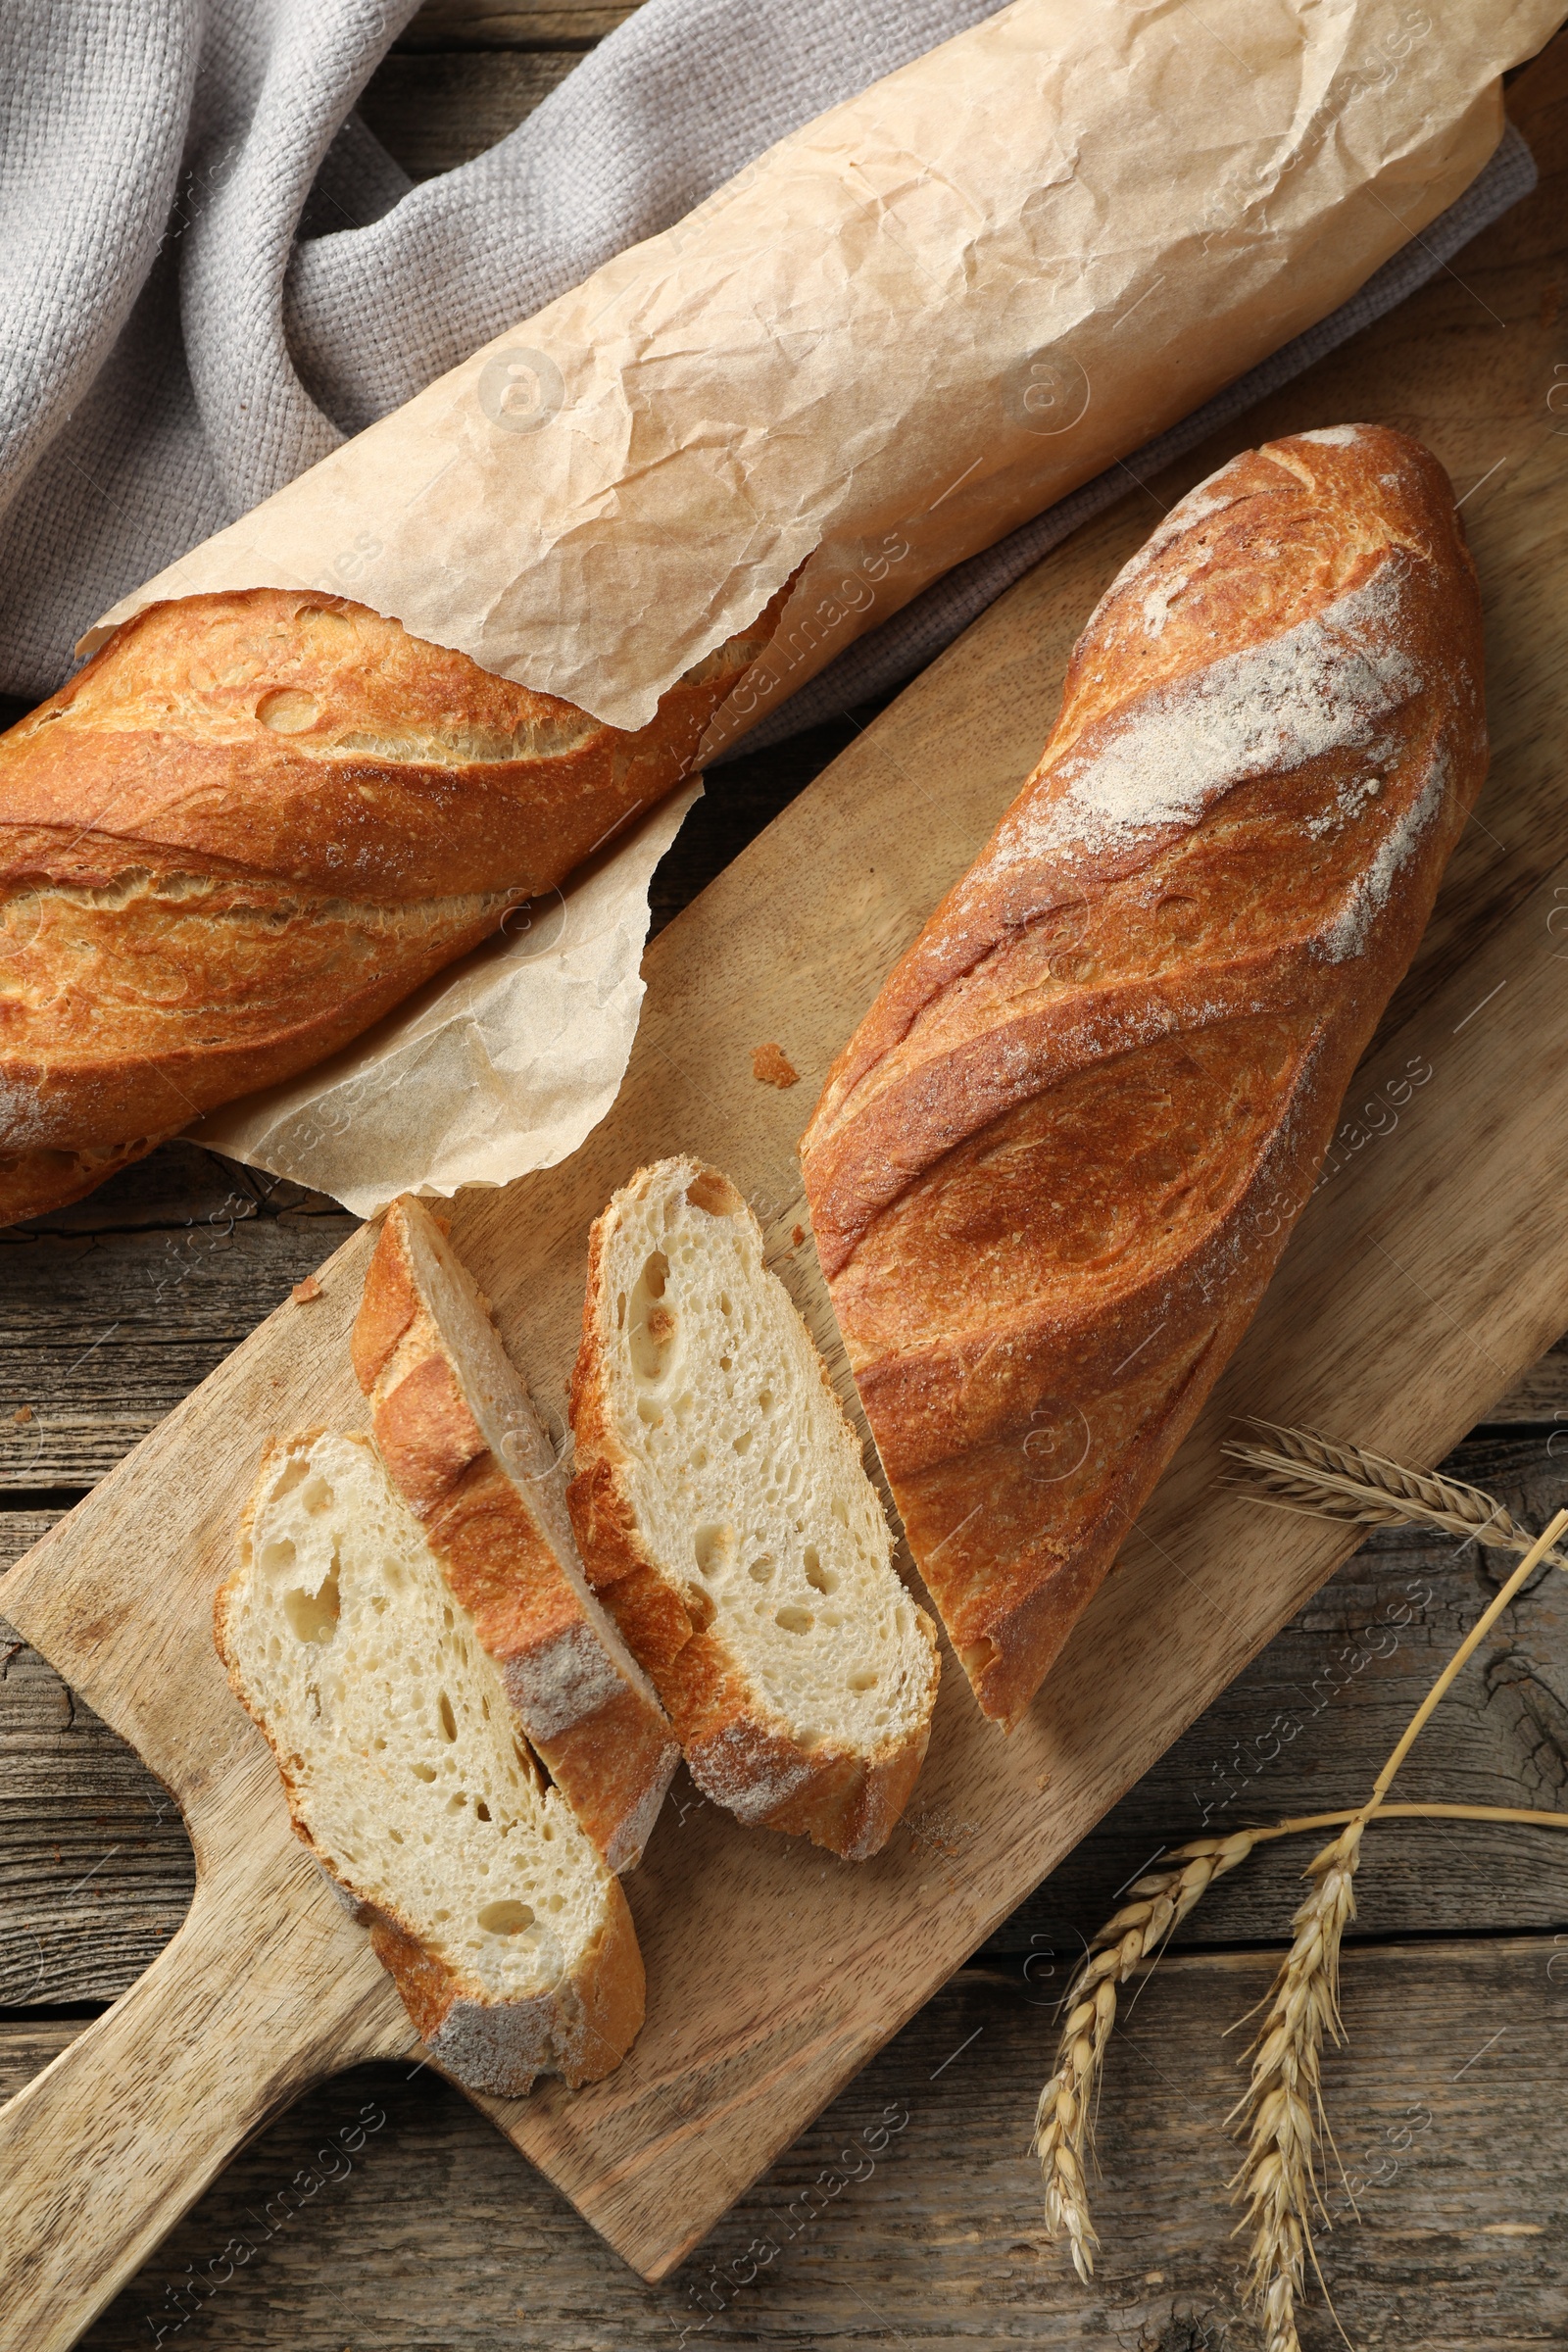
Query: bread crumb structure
[[457, 1432], [723, 1511], [509, 1939]]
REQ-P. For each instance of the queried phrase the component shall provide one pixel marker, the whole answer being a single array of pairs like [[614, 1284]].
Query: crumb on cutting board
[[304, 1292], [796, 1236], [22, 1413], [773, 1067]]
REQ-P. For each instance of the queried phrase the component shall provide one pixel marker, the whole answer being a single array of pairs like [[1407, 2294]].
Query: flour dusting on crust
[[1326, 685], [1352, 929], [1210, 498]]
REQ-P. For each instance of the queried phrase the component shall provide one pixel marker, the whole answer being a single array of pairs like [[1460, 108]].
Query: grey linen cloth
[[211, 273]]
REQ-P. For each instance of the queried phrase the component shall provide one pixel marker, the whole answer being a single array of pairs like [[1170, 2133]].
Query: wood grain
[[99, 1871], [88, 1387], [271, 1988], [434, 2233], [512, 24], [432, 112], [1380, 1320]]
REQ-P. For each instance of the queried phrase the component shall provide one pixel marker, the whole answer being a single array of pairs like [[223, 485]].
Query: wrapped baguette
[[1055, 1166], [246, 830], [262, 820]]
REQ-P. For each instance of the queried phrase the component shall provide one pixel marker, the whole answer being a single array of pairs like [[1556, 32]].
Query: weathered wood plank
[[181, 1183], [105, 1326], [1306, 1726], [1541, 1395], [99, 1870], [19, 1532], [514, 24], [911, 2213], [27, 2045], [434, 112]]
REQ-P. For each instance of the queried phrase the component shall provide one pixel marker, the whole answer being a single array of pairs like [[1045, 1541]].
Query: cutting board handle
[[267, 1987]]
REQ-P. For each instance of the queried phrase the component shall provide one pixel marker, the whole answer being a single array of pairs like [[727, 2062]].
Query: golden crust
[[1053, 1170], [580, 2028], [739, 1753], [602, 1736], [250, 825]]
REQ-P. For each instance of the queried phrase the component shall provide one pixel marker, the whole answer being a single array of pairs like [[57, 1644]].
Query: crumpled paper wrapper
[[501, 1064], [905, 330]]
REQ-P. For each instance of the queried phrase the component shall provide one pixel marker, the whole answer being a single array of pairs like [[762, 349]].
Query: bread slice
[[508, 1938], [724, 1514], [459, 1434]]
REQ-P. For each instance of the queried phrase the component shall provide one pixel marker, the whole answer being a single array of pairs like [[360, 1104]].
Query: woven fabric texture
[[211, 273]]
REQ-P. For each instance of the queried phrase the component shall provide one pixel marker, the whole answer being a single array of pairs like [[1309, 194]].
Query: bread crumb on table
[[771, 1064], [304, 1292], [796, 1236], [22, 1413]]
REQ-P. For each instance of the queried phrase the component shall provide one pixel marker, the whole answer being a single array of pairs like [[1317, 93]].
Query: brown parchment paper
[[905, 330], [502, 1065]]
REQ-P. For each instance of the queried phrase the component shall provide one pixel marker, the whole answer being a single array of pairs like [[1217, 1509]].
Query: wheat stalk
[[1301, 1470], [1282, 2107], [1063, 2116]]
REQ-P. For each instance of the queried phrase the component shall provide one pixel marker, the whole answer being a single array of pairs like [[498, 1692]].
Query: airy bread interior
[[743, 1474], [394, 1733]]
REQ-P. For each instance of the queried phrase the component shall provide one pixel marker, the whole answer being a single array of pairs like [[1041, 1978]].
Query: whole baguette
[[1055, 1166], [248, 828]]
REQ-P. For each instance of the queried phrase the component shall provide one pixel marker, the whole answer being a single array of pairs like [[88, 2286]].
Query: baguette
[[725, 1517], [508, 1938], [1053, 1168], [457, 1431], [247, 829]]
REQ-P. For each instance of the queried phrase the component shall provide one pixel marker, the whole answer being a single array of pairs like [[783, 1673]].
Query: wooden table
[[384, 2211]]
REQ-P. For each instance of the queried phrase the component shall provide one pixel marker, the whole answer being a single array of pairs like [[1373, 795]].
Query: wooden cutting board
[[1430, 1269]]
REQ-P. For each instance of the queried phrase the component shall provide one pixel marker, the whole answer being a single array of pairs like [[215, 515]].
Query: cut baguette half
[[509, 1939], [457, 1432], [724, 1514]]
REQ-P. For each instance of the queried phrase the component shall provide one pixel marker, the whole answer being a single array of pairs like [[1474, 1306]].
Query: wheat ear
[[1301, 1470], [1063, 2117], [1282, 2107], [1066, 2107], [1282, 2103]]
